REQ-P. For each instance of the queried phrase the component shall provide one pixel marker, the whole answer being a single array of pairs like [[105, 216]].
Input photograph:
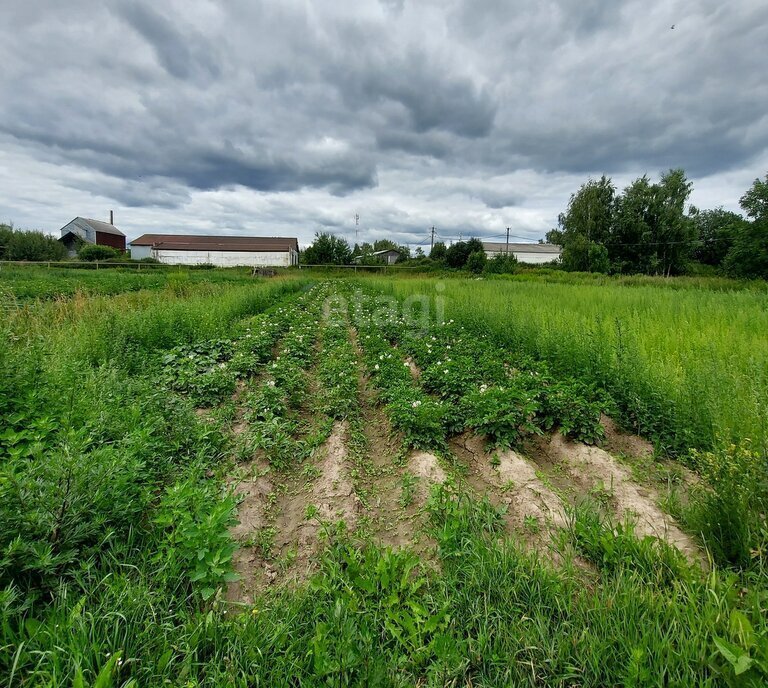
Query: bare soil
[[507, 478], [594, 469], [617, 441]]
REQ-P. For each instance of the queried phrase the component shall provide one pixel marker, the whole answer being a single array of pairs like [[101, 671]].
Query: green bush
[[501, 264], [476, 262], [91, 252], [29, 245]]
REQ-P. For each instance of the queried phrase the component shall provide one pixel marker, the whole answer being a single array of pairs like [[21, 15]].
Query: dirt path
[[255, 487], [322, 498]]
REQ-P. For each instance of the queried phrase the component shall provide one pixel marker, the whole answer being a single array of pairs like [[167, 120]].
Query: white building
[[525, 253], [222, 251]]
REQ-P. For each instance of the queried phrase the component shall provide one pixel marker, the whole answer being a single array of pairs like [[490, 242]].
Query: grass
[[115, 507], [29, 282]]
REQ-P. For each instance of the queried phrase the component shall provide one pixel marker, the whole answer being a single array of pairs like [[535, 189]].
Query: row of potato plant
[[208, 371], [273, 406], [337, 371], [467, 384]]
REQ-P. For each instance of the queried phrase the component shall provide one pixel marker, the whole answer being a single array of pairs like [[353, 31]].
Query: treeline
[[470, 255], [646, 229], [16, 244]]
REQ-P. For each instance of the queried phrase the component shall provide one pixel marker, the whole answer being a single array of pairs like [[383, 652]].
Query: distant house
[[525, 253], [223, 251], [388, 256], [83, 230]]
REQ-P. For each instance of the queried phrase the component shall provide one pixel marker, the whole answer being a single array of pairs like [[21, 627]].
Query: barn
[[222, 251], [525, 253], [83, 230]]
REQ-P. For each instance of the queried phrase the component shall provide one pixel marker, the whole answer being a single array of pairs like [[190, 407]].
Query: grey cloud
[[419, 113], [182, 55]]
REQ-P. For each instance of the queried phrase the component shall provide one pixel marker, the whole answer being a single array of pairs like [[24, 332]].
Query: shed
[[85, 230], [525, 253], [222, 251], [390, 256]]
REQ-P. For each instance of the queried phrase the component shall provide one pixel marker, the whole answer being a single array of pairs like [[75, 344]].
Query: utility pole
[[507, 252], [460, 235], [357, 222], [432, 240]]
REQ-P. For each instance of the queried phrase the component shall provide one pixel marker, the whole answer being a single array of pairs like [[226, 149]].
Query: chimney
[[111, 217]]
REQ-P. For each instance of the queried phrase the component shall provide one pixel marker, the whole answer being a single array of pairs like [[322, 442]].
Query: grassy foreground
[[115, 510]]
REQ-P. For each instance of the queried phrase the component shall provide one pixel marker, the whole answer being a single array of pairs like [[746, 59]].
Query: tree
[[501, 264], [590, 212], [29, 245], [457, 254], [748, 257], [438, 251], [755, 201], [716, 230], [6, 233], [582, 255], [586, 226], [327, 249], [651, 231]]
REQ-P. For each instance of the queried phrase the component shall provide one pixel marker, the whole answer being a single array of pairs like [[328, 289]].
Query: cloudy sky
[[289, 117]]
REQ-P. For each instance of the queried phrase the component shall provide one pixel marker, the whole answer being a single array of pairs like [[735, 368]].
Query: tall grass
[[124, 328], [689, 367], [29, 282]]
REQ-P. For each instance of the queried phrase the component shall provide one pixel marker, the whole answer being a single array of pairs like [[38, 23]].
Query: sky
[[289, 118]]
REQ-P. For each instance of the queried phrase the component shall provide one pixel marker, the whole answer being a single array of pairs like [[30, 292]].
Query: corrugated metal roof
[[97, 225], [522, 248], [386, 250], [192, 242]]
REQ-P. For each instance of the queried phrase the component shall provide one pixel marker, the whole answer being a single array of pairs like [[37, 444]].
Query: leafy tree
[[29, 245], [6, 232], [590, 212], [327, 249], [586, 226], [716, 230], [438, 251], [457, 254], [91, 252], [755, 201], [652, 233], [476, 261], [582, 255], [748, 257]]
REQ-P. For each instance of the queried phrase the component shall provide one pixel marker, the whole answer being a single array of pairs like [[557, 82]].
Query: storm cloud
[[291, 117]]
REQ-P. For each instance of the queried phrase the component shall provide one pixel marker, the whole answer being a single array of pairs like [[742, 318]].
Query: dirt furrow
[[325, 497], [507, 478], [255, 487], [595, 469]]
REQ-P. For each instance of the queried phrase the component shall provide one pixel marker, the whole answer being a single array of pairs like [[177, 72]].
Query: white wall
[[223, 258], [527, 256], [139, 252]]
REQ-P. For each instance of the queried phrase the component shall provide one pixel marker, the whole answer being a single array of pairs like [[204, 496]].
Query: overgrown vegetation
[[116, 504], [17, 244]]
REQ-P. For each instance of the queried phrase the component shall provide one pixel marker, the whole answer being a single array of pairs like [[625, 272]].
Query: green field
[[210, 479]]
